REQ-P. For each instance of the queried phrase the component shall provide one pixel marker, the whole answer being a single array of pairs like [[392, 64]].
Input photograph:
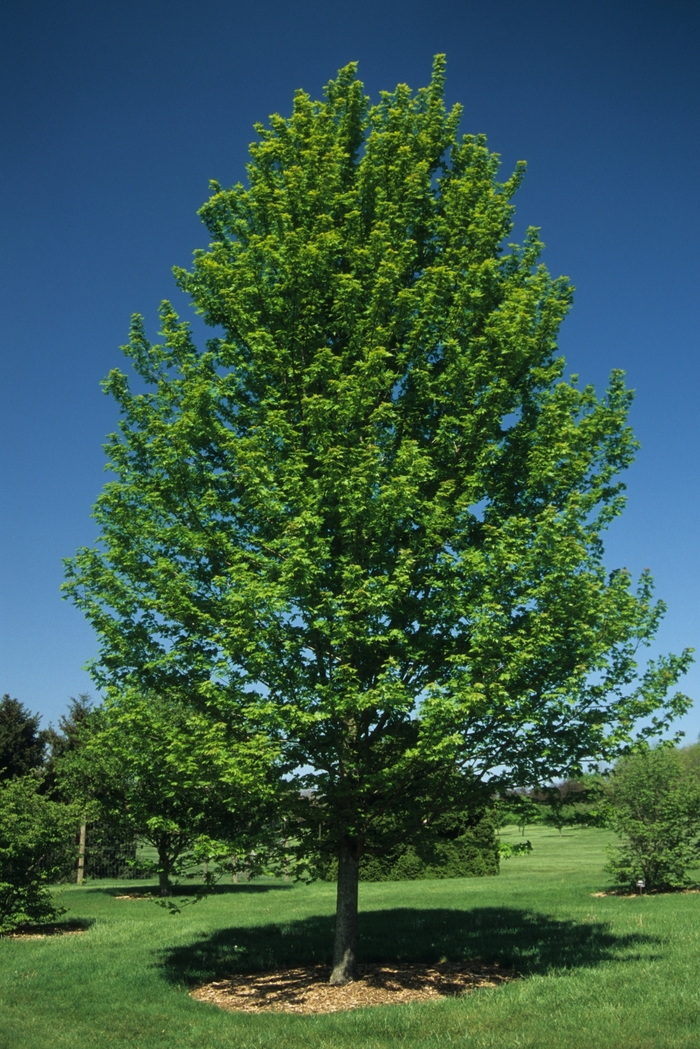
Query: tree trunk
[[80, 877], [345, 944], [164, 872]]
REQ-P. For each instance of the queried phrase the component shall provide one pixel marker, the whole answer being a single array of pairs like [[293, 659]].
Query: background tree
[[690, 756], [517, 807], [74, 729], [568, 803], [22, 743], [655, 808], [174, 778], [372, 508], [106, 840]]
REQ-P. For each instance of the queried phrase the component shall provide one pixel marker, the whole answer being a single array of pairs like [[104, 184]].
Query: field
[[598, 971]]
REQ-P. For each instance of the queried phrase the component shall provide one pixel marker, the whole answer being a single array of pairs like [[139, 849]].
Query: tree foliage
[[655, 807], [73, 732], [454, 850], [22, 743], [371, 508], [177, 778], [35, 840], [572, 802]]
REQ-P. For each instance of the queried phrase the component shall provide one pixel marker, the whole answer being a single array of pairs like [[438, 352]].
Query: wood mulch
[[306, 989], [627, 895], [40, 932]]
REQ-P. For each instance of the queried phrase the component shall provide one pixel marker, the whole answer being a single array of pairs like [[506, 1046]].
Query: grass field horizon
[[604, 971]]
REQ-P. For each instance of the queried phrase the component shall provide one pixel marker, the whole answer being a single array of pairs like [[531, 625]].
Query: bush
[[472, 854], [35, 835], [655, 808]]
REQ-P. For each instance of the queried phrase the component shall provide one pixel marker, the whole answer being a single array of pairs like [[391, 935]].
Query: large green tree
[[371, 507]]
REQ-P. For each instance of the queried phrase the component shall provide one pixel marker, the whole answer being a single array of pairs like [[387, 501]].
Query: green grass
[[599, 972]]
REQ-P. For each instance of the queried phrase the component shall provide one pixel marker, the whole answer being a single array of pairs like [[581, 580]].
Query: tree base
[[344, 971]]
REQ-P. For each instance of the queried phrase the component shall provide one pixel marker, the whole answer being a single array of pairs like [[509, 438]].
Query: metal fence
[[98, 852]]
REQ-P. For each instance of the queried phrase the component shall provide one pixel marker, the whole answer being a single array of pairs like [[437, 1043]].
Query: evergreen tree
[[73, 732], [22, 743]]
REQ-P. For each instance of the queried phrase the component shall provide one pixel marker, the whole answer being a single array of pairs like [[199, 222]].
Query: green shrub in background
[[35, 839], [471, 854], [654, 805]]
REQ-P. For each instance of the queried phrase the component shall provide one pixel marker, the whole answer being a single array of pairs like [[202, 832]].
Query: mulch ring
[[627, 895], [40, 932], [306, 989]]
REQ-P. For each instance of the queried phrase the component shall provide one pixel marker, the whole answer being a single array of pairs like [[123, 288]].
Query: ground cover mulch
[[628, 895], [40, 932], [306, 989]]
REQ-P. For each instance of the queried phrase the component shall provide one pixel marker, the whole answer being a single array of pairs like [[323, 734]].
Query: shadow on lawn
[[59, 928], [187, 889], [523, 940]]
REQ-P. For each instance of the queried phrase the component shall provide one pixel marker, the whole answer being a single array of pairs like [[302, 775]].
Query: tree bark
[[345, 944], [80, 877], [164, 872]]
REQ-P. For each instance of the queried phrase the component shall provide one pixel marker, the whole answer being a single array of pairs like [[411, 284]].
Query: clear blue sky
[[114, 117]]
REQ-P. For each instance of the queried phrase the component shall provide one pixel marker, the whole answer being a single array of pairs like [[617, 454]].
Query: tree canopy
[[369, 511], [22, 742], [654, 805], [177, 777], [35, 836]]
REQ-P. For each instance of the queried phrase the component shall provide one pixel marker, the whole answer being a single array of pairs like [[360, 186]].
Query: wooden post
[[81, 854]]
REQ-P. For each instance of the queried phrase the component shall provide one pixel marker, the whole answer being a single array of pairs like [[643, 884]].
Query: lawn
[[598, 971]]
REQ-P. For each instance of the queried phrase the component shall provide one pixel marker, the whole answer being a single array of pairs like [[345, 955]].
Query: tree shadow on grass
[[187, 889], [67, 927], [519, 939]]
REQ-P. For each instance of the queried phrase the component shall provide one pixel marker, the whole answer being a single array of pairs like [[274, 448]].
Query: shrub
[[655, 808], [35, 835], [472, 854]]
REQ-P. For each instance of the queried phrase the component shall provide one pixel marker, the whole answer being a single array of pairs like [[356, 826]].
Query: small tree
[[519, 808], [177, 778], [22, 743], [372, 508], [35, 835], [559, 802], [655, 808]]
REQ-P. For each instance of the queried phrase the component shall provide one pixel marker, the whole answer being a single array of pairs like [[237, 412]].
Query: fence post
[[81, 854]]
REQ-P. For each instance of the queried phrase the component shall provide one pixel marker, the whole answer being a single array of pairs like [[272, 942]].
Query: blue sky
[[116, 115]]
